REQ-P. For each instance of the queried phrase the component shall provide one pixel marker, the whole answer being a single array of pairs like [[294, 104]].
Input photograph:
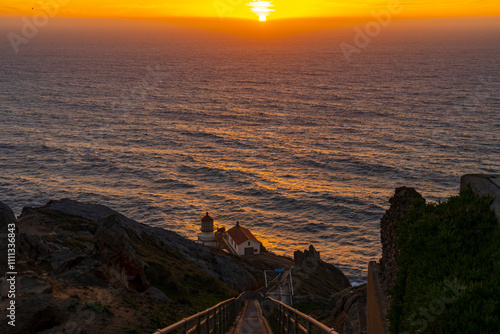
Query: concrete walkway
[[250, 320]]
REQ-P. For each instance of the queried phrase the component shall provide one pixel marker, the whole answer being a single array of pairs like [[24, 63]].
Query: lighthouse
[[207, 236]]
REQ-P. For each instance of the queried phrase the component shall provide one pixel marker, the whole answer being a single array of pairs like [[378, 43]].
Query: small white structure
[[207, 236], [242, 241]]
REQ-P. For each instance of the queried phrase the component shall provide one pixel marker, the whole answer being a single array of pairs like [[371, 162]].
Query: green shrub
[[448, 278], [306, 307], [99, 308], [132, 330]]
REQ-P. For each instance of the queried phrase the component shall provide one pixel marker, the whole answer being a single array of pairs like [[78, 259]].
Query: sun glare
[[261, 8]]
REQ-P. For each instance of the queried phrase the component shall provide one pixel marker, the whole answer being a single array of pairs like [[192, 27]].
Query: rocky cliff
[[402, 202], [346, 310], [310, 272], [87, 268]]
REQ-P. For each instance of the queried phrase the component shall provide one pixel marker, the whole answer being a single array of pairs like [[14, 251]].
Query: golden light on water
[[261, 8]]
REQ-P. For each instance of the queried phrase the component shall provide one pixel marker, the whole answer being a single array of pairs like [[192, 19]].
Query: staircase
[[249, 313]]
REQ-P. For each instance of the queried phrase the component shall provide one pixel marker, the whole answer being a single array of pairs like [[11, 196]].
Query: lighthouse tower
[[207, 236]]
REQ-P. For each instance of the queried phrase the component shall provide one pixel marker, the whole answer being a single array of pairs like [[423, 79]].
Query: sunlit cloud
[[261, 8]]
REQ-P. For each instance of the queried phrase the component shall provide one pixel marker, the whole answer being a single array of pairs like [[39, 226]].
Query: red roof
[[240, 234], [207, 218]]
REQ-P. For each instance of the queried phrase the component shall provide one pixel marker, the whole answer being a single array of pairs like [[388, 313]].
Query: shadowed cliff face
[[76, 258], [346, 310], [87, 267], [401, 203], [121, 250], [311, 272], [343, 307], [6, 217]]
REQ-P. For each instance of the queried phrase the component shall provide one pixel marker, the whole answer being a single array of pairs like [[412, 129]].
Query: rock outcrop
[[123, 265], [314, 276], [401, 203], [6, 217], [349, 311], [346, 310], [85, 267], [342, 306]]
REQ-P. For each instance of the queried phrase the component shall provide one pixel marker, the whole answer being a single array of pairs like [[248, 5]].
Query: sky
[[239, 8]]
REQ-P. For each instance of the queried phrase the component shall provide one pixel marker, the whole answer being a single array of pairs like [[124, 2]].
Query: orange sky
[[238, 8]]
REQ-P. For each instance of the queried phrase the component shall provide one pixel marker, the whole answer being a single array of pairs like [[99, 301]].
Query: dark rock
[[306, 258], [123, 266], [46, 318], [311, 274], [156, 294], [7, 217], [87, 274], [63, 259], [349, 313], [32, 284], [35, 313], [351, 300], [86, 248], [31, 246], [184, 301], [401, 203], [355, 322], [89, 211]]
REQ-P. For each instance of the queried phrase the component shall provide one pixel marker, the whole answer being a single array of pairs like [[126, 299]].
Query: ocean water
[[164, 122]]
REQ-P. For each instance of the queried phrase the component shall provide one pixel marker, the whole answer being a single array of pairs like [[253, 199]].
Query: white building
[[207, 236], [242, 241]]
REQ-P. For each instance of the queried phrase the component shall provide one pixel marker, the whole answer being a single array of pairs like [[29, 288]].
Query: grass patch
[[306, 307], [448, 278], [71, 307], [132, 330], [169, 271], [68, 222], [132, 303], [99, 308], [204, 300]]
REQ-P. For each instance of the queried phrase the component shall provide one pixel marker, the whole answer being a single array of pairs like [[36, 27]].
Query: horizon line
[[155, 18]]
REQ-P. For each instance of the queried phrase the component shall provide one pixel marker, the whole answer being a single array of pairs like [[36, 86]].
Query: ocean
[[164, 122]]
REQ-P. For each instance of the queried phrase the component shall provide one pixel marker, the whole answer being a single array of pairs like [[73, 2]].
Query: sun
[[261, 8]]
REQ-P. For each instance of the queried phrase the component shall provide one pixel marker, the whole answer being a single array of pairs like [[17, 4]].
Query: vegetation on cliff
[[85, 268], [448, 275]]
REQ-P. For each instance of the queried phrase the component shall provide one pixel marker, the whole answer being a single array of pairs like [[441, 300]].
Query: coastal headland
[[85, 267], [72, 267]]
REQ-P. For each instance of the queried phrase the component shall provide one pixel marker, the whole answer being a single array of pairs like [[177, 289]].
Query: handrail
[[221, 317], [286, 319], [218, 318]]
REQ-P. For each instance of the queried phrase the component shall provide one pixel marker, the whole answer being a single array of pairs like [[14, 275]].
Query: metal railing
[[215, 320], [219, 318], [285, 319]]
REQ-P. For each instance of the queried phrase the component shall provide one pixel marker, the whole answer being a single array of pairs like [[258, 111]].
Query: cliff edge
[[87, 268]]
